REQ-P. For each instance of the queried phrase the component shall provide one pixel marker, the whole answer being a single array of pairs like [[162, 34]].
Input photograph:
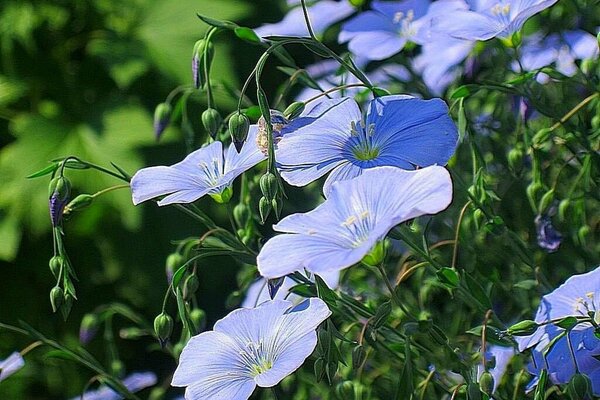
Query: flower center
[[501, 9], [212, 171], [363, 146], [358, 228], [405, 21], [256, 358]]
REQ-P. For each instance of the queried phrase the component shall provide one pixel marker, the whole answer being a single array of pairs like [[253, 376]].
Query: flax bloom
[[208, 170], [579, 296], [356, 215], [134, 383], [250, 347], [399, 131], [12, 364]]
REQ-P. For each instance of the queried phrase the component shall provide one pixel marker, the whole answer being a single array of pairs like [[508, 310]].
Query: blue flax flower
[[12, 364], [400, 131], [208, 170], [322, 14], [579, 296], [356, 215], [548, 237], [490, 18], [499, 357], [250, 347], [134, 383]]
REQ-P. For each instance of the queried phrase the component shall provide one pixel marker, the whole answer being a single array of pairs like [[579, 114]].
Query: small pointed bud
[[533, 191], [579, 387], [60, 190], [563, 208], [190, 286], [359, 356], [547, 198], [57, 297], [173, 263], [486, 383], [583, 233], [269, 185], [162, 118], [202, 49], [239, 125], [523, 328], [198, 317], [163, 327], [211, 120], [264, 208], [515, 159], [78, 203], [65, 309], [541, 137], [294, 110], [88, 328], [56, 264], [478, 217], [241, 214], [277, 206]]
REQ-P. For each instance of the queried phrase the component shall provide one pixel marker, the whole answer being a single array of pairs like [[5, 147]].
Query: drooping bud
[[173, 262], [163, 327], [579, 387], [278, 122], [239, 125], [269, 185], [563, 208], [546, 200], [78, 203], [202, 49], [241, 214], [190, 286], [65, 309], [56, 264], [277, 206], [88, 328], [486, 383], [198, 317], [264, 208], [162, 117], [523, 328], [57, 297], [60, 189], [294, 110], [211, 120]]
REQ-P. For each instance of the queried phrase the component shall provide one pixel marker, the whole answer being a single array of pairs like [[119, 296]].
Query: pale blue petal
[[522, 10], [390, 8], [221, 388], [248, 157], [304, 174], [468, 25], [368, 21], [377, 45], [12, 364], [152, 182], [343, 172]]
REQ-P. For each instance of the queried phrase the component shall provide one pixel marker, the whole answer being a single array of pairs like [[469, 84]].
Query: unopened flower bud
[[202, 49], [294, 110], [269, 185], [358, 356], [56, 265], [59, 191], [239, 125], [57, 297], [162, 117], [190, 286], [80, 202], [173, 262], [198, 317], [163, 327], [533, 191], [546, 200], [541, 137], [241, 214], [264, 208], [579, 387], [65, 309], [523, 328], [582, 234], [88, 328], [277, 206], [563, 208], [211, 120], [486, 383], [515, 159]]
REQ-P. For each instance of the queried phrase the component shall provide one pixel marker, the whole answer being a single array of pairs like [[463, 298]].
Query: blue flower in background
[[548, 237], [134, 383], [500, 357], [490, 18], [12, 364], [208, 170], [400, 131], [578, 296], [258, 291], [356, 215], [250, 347], [562, 50], [322, 14]]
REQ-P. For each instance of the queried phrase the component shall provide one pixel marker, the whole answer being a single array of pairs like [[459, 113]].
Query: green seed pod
[[563, 208], [56, 264], [234, 299], [277, 206], [163, 327], [533, 191], [239, 125], [264, 209], [173, 263], [241, 214], [579, 387], [486, 383], [198, 317], [515, 159], [211, 120], [190, 286], [57, 297], [162, 118], [582, 234], [269, 185], [65, 309], [478, 217], [523, 328], [78, 203], [541, 137], [202, 49], [546, 200], [294, 110], [359, 356]]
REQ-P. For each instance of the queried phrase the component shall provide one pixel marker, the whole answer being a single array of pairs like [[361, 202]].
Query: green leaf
[[449, 277], [464, 91], [540, 389], [217, 23], [324, 292], [405, 388], [59, 354], [44, 171], [246, 34]]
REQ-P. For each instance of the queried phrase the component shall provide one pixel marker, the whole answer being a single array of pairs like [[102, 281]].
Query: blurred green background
[[82, 78]]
